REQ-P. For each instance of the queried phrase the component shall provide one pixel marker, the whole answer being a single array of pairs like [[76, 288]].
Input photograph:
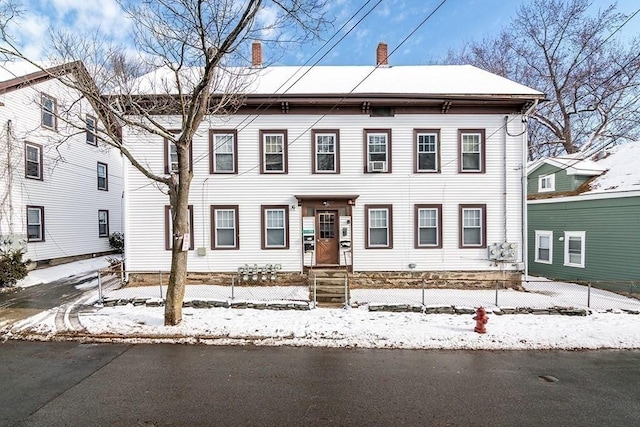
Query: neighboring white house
[[375, 169], [60, 187]]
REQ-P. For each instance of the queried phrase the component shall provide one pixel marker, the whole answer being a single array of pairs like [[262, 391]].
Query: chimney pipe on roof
[[256, 54], [381, 55]]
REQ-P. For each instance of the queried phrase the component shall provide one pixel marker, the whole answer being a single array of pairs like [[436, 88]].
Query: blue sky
[[391, 21]]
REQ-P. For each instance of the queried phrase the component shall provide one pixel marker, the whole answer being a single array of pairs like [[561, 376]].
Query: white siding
[[402, 188], [68, 191]]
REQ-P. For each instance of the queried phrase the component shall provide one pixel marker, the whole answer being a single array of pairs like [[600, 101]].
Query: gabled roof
[[622, 165], [573, 165]]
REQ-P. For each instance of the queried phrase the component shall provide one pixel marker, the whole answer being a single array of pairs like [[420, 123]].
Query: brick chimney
[[381, 54], [256, 54]]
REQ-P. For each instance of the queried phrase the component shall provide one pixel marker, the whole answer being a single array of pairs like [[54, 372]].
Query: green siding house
[[584, 217]]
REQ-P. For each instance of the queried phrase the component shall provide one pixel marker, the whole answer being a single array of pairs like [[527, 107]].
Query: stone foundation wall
[[357, 280]]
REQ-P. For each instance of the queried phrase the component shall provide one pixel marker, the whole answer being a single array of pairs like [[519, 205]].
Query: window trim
[[214, 228], [416, 152], [53, 113], [91, 133], [106, 176], [168, 240], [99, 212], [388, 160], [42, 227], [583, 248], [483, 232], [167, 142], [552, 183], [416, 228], [482, 160], [285, 151], [40, 160], [538, 234], [367, 209], [263, 224], [314, 150], [212, 150]]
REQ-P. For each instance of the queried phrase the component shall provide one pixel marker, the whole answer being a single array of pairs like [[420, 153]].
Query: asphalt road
[[73, 384]]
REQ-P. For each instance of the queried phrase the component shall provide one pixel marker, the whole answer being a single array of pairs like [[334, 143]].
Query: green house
[[584, 216]]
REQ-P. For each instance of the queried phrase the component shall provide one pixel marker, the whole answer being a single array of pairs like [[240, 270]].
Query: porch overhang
[[349, 199]]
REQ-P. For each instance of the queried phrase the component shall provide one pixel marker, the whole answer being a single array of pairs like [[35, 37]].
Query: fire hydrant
[[481, 320]]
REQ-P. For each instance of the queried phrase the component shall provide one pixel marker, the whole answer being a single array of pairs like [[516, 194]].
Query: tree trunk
[[180, 218]]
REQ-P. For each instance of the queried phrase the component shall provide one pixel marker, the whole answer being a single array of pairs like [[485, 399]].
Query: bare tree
[[196, 51], [590, 78]]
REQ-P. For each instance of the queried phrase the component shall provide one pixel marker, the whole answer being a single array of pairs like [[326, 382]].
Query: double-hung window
[[223, 146], [273, 151], [103, 223], [103, 176], [471, 150], [275, 230], [544, 246], [171, 161], [378, 150], [427, 146], [168, 228], [90, 126], [428, 226], [546, 183], [224, 227], [326, 154], [378, 219], [35, 223], [49, 108], [473, 226], [574, 248], [33, 161]]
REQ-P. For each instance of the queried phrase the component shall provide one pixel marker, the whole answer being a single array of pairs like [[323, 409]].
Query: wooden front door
[[327, 252]]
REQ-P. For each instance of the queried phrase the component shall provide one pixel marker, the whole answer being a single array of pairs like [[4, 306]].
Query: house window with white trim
[[427, 150], [378, 150], [90, 125], [428, 220], [35, 223], [33, 161], [223, 148], [473, 226], [546, 183], [544, 246], [224, 227], [273, 151], [326, 158], [275, 233], [471, 150], [103, 223], [378, 219], [574, 248], [48, 110]]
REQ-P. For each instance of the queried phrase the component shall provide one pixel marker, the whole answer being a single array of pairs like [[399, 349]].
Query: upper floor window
[[546, 183], [428, 226], [273, 151], [574, 248], [378, 150], [168, 228], [35, 223], [326, 154], [378, 220], [103, 223], [275, 233], [544, 246], [427, 150], [49, 111], [103, 176], [171, 162], [33, 161], [473, 226], [224, 227], [471, 150], [223, 146], [91, 126]]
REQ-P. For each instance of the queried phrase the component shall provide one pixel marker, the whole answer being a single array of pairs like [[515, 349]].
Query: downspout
[[504, 180], [525, 219]]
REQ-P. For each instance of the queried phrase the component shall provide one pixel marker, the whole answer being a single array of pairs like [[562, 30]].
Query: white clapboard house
[[60, 187], [371, 169]]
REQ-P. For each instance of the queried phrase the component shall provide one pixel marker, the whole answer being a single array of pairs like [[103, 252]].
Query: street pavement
[[75, 384]]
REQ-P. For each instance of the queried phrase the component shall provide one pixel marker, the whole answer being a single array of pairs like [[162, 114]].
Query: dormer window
[[546, 183]]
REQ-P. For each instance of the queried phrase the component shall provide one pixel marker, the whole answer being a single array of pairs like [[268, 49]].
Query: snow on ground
[[50, 274], [358, 327]]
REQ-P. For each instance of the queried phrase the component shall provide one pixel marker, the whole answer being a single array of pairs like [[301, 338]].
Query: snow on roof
[[622, 171], [571, 164], [460, 80]]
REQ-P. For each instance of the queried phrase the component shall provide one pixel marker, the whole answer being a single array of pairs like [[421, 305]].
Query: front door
[[327, 244]]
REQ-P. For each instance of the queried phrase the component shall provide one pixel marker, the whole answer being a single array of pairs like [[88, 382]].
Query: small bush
[[12, 267], [116, 241]]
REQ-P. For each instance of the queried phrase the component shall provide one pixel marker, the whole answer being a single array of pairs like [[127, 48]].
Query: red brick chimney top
[[256, 54], [381, 54]]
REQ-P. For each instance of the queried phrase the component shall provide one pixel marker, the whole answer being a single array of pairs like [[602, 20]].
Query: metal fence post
[[346, 292], [423, 283], [100, 296], [122, 274], [160, 274], [589, 295], [497, 286], [233, 282], [315, 283]]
